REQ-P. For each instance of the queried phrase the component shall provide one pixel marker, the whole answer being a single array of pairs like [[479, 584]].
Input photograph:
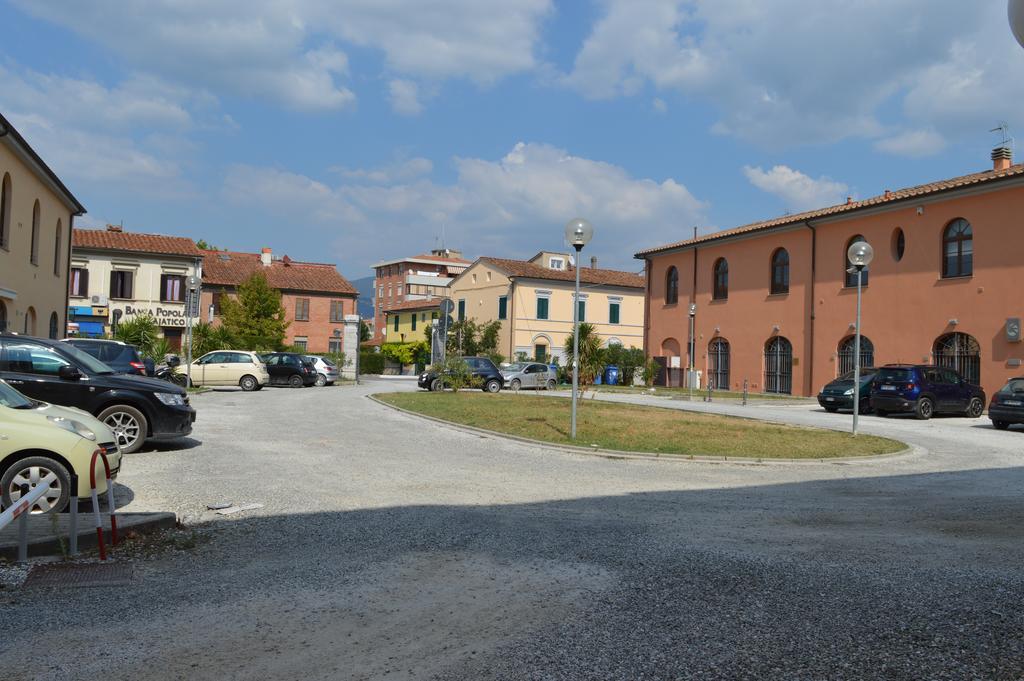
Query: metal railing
[[22, 508]]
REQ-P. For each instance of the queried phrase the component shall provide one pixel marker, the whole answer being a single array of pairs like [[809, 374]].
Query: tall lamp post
[[1016, 15], [690, 350], [578, 234], [859, 254]]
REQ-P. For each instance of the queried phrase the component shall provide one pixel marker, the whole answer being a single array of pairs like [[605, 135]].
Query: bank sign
[[164, 316]]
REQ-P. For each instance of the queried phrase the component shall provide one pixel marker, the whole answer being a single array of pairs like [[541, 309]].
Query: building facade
[[775, 305], [117, 275], [533, 300], [315, 296], [422, 277], [36, 216], [407, 322]]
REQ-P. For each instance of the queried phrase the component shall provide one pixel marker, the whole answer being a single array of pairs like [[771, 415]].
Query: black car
[[1007, 406], [925, 390], [289, 368], [481, 368], [839, 393], [121, 357], [135, 407]]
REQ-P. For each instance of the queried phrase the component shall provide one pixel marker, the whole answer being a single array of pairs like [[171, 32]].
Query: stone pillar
[[350, 346]]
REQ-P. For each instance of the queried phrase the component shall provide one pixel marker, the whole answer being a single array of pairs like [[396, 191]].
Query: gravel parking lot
[[390, 547]]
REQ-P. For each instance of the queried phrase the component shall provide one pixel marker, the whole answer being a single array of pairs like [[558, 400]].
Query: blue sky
[[352, 131]]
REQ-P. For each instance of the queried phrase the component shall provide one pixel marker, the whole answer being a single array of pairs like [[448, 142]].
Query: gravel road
[[389, 547]]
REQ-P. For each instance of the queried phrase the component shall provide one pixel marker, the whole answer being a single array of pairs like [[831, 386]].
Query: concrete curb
[[912, 451], [42, 541]]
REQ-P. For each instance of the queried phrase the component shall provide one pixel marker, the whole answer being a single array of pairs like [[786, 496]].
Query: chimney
[[118, 228], [266, 257], [1002, 158], [849, 200], [593, 262]]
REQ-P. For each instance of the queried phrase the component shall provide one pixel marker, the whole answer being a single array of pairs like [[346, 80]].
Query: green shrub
[[371, 363]]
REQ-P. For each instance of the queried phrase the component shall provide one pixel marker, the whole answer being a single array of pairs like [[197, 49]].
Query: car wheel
[[831, 410], [492, 386], [515, 384], [1000, 425], [975, 407], [865, 407], [551, 384], [248, 383], [436, 385], [924, 409], [321, 380], [179, 379], [128, 424], [295, 381], [881, 412], [29, 472]]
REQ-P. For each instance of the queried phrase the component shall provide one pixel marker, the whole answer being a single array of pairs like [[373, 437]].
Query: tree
[[364, 332], [140, 330], [591, 355], [469, 339], [206, 337], [256, 319]]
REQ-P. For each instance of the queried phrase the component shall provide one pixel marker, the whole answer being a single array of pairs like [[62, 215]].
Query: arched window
[[960, 352], [780, 271], [718, 364], [851, 277], [846, 353], [3, 316], [33, 254], [672, 286], [778, 366], [958, 249], [56, 248], [721, 283], [5, 211], [30, 322], [53, 325]]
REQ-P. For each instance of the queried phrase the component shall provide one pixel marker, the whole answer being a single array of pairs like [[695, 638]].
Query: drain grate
[[74, 575]]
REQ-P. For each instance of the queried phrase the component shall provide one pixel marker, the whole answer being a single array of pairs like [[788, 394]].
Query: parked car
[[529, 375], [326, 370], [925, 390], [1007, 406], [135, 408], [39, 439], [482, 369], [290, 368], [229, 367], [839, 393], [121, 357]]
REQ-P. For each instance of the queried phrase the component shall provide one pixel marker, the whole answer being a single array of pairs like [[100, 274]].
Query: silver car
[[326, 370], [535, 375]]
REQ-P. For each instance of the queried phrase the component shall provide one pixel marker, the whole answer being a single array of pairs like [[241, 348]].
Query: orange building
[[776, 307], [416, 279], [315, 296]]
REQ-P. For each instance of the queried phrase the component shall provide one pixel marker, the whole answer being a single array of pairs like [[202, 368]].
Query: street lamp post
[[577, 233], [859, 254], [690, 350]]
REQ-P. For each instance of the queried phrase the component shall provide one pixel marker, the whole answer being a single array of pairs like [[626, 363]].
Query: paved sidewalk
[[48, 535]]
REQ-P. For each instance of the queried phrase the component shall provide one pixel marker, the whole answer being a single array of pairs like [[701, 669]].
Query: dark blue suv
[[925, 390]]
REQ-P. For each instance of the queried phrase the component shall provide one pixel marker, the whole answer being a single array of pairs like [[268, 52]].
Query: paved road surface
[[393, 548]]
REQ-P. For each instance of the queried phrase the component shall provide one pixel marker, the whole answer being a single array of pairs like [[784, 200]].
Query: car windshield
[[895, 374], [517, 366], [865, 374], [1014, 385], [326, 361], [91, 364], [9, 397]]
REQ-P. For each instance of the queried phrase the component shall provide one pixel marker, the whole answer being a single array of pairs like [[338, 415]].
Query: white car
[[230, 367], [37, 439], [326, 370]]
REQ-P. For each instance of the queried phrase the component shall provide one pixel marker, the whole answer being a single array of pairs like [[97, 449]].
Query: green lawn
[[698, 395], [636, 428]]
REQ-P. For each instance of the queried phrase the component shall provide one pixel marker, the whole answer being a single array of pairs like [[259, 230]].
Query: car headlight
[[849, 392], [170, 399], [72, 426]]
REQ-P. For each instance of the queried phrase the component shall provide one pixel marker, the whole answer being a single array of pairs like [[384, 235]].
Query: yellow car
[[230, 367], [37, 439]]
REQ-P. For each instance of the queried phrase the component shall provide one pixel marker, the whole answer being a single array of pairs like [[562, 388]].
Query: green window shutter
[[583, 310], [413, 321], [462, 310], [613, 313], [396, 321], [542, 308], [503, 307]]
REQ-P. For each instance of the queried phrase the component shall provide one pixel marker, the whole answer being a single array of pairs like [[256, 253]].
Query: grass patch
[[698, 395], [639, 429]]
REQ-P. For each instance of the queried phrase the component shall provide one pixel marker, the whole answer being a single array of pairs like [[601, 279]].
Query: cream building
[[36, 212], [533, 300], [119, 275]]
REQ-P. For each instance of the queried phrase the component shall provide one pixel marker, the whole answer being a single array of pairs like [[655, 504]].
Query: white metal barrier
[[22, 508]]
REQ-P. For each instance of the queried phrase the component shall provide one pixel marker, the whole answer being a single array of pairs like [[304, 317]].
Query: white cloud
[[798, 191], [286, 51], [405, 97], [659, 105], [402, 171], [512, 206], [912, 143]]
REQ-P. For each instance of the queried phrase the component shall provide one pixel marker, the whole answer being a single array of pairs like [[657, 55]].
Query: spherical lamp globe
[[1016, 11]]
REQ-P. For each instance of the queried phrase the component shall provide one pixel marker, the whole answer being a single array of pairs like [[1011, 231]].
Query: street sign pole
[[191, 310]]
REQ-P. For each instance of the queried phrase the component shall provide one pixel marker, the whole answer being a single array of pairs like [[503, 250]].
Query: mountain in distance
[[364, 305]]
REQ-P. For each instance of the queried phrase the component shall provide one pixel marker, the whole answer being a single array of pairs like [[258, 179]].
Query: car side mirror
[[69, 373]]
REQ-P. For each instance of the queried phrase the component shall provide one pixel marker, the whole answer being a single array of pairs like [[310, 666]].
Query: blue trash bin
[[597, 378], [611, 375]]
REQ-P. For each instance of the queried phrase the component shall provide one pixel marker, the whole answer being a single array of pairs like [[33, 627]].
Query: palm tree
[[590, 352]]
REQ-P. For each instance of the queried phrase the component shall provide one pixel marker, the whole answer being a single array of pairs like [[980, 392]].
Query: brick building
[[775, 305], [315, 296], [422, 277]]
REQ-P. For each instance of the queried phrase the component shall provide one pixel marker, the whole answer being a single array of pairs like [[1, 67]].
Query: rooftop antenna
[[1004, 133]]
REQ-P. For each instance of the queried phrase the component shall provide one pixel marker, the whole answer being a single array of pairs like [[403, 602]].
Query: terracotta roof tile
[[886, 198], [431, 304], [231, 268], [106, 240], [438, 258], [588, 275]]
